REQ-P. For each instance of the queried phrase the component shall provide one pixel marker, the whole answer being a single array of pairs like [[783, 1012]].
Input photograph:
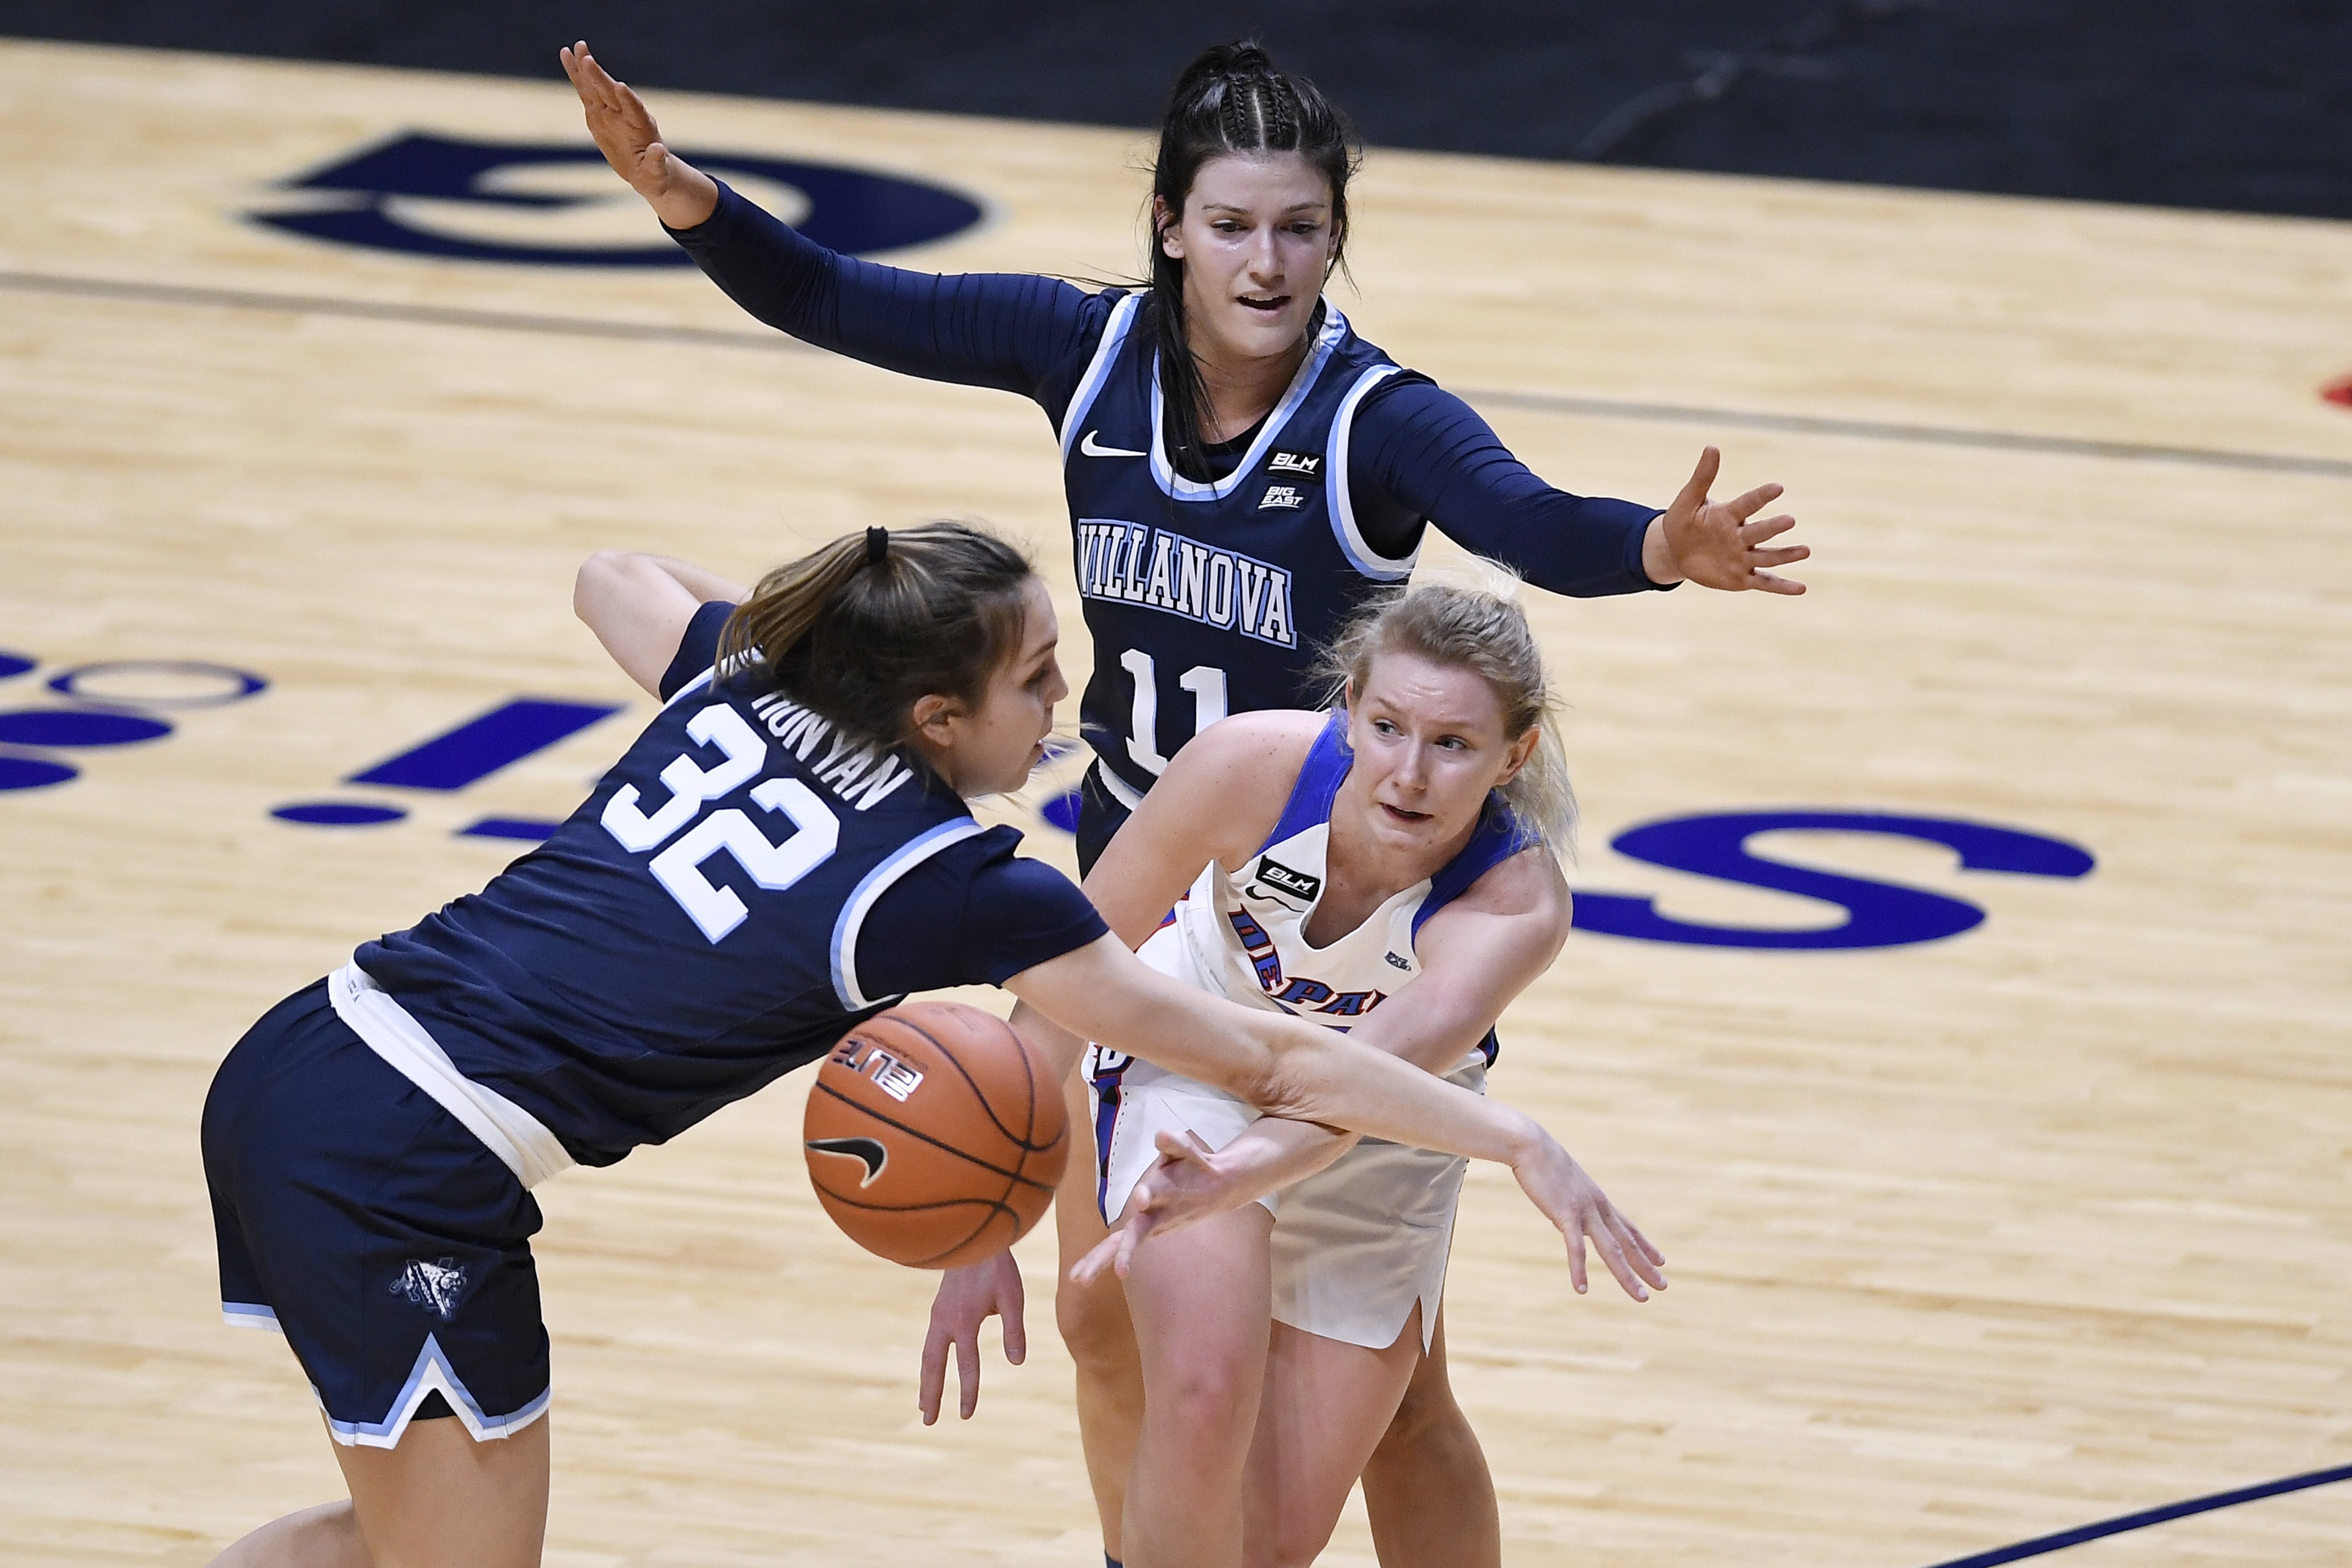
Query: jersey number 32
[[775, 867]]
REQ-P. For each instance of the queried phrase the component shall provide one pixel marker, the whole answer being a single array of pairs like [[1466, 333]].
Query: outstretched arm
[[1013, 331], [1478, 953], [1289, 1067], [1422, 452]]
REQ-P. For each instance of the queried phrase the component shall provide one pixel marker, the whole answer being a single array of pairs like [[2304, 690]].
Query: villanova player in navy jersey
[[783, 851], [1242, 470]]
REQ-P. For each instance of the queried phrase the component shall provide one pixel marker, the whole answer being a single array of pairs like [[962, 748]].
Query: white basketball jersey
[[1242, 932]]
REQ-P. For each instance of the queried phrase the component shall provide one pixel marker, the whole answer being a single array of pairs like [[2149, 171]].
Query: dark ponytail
[[860, 629], [1232, 99]]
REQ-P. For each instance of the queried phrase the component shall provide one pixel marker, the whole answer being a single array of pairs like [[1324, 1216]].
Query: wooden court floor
[[1971, 1240]]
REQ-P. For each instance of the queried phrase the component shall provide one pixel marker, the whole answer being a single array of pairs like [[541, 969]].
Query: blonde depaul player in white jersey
[[1243, 933], [1405, 839]]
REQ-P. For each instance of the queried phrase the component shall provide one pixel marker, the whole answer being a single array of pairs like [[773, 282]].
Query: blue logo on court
[[119, 702], [398, 196], [1877, 914]]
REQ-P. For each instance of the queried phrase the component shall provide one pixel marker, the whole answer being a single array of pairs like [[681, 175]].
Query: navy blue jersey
[[1327, 500], [1209, 597], [742, 888]]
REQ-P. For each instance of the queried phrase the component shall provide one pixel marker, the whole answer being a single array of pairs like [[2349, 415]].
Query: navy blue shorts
[[361, 1220]]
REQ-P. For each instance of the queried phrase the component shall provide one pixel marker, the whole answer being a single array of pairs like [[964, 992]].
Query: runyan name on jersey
[[1185, 577], [858, 776]]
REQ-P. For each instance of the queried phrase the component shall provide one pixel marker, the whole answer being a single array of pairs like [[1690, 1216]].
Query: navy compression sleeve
[[1010, 331], [1420, 452]]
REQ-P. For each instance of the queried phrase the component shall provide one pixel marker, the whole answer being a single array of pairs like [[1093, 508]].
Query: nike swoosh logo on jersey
[[1093, 449]]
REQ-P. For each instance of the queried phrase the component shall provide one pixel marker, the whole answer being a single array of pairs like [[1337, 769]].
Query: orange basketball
[[935, 1136]]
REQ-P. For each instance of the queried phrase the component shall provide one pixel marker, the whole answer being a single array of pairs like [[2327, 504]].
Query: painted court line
[[1926, 434], [2142, 1519], [382, 310], [1547, 403]]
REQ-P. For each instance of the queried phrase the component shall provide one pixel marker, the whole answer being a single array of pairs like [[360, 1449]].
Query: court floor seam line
[[1536, 402], [2123, 1524]]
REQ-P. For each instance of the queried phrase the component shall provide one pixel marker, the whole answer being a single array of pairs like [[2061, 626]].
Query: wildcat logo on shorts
[[1303, 464], [1283, 879], [436, 1287], [1282, 498], [891, 1076]]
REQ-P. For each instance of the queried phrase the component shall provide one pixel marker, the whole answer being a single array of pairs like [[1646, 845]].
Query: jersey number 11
[[1206, 682]]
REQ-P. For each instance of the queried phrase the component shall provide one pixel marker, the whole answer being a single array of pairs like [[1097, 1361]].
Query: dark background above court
[[2244, 105]]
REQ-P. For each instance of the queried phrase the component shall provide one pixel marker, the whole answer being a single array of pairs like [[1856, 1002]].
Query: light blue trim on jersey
[[250, 1315], [1327, 762], [1082, 401], [1177, 487], [878, 881], [689, 688], [433, 1374], [1361, 555]]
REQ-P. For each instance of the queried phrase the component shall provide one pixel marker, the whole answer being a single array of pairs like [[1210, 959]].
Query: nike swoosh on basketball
[[1093, 449], [867, 1152]]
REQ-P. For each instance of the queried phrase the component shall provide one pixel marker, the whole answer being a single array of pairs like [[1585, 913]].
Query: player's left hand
[[967, 1297], [1713, 544], [1188, 1184], [1574, 1202]]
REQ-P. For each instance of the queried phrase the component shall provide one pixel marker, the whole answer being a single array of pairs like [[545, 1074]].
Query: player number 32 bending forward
[[1388, 867], [718, 911]]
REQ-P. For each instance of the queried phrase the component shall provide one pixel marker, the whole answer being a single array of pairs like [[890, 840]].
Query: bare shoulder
[[1256, 746], [1230, 783], [1529, 885]]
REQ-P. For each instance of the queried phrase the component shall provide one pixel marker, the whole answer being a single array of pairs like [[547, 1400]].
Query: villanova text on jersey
[[1185, 577], [1209, 596]]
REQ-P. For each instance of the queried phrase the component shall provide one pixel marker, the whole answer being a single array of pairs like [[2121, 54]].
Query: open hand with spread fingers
[[1714, 544], [680, 194], [1188, 1184]]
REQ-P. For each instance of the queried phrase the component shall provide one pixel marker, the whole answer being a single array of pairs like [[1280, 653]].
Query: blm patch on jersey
[[1282, 879], [1306, 465]]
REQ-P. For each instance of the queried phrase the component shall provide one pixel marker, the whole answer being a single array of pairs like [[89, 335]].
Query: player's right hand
[[1575, 1203], [1189, 1183], [969, 1297], [680, 194]]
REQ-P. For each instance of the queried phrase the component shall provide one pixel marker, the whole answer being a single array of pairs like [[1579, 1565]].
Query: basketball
[[935, 1136]]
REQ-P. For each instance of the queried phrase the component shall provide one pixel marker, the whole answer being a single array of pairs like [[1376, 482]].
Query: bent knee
[[1094, 1323], [1428, 1406], [1289, 1548], [1205, 1407]]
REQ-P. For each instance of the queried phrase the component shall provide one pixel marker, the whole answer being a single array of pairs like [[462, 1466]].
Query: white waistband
[[506, 1129]]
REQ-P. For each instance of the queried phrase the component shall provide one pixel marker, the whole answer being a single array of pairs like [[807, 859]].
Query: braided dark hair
[[1231, 99]]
